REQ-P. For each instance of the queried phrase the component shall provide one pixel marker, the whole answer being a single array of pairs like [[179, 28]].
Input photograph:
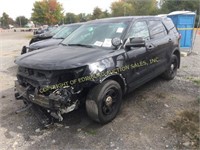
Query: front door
[[137, 56]]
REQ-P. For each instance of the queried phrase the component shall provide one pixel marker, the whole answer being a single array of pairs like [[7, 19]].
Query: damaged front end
[[49, 90]]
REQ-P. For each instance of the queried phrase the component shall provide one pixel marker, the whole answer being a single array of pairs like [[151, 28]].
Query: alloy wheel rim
[[110, 101]]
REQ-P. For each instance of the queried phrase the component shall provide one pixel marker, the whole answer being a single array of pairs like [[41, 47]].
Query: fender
[[118, 78]]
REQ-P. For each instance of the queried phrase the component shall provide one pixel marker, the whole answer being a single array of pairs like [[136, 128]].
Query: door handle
[[170, 40]]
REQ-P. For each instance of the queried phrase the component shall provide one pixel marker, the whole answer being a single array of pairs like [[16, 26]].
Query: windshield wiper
[[82, 45], [57, 38], [60, 38], [63, 44]]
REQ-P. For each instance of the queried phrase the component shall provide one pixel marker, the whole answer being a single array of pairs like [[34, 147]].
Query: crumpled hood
[[44, 43], [61, 57]]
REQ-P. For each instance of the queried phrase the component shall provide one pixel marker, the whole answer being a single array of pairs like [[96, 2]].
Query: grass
[[91, 132], [173, 98], [196, 81], [187, 124], [161, 95], [184, 66]]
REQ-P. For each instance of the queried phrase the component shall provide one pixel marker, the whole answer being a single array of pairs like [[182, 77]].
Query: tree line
[[51, 12], [5, 21]]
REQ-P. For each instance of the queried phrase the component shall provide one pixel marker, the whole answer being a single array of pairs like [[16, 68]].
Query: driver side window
[[139, 29]]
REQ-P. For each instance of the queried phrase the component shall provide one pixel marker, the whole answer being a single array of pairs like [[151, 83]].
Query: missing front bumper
[[40, 100], [54, 103]]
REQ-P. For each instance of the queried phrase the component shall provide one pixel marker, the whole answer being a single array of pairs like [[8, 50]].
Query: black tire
[[31, 41], [23, 50], [171, 72], [104, 101]]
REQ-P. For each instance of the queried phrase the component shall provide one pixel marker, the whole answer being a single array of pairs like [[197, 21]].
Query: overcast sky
[[16, 8]]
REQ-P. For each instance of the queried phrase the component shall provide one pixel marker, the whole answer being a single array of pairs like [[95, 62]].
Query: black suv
[[97, 64], [45, 35], [55, 40]]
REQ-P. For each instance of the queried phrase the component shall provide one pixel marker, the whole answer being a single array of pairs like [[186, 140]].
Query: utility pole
[[20, 24], [64, 17], [124, 10]]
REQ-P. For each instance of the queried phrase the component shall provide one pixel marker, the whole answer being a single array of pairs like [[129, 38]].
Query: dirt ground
[[159, 115]]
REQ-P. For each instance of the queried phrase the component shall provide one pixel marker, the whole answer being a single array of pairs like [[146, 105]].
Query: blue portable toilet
[[184, 21]]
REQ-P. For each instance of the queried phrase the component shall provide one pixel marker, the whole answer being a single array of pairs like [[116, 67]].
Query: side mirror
[[116, 42], [135, 42]]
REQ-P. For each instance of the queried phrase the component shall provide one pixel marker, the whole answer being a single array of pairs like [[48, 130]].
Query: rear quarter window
[[156, 29], [168, 24]]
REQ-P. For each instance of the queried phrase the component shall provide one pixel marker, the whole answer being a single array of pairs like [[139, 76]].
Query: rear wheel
[[171, 72], [104, 101]]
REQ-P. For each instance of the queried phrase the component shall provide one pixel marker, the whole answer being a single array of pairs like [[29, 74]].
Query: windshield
[[51, 28], [65, 32], [55, 30], [97, 34]]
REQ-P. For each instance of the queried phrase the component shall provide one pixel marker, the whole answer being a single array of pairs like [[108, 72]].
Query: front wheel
[[171, 72], [23, 50], [104, 101]]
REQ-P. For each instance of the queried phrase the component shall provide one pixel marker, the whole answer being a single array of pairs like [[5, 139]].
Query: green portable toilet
[[184, 21]]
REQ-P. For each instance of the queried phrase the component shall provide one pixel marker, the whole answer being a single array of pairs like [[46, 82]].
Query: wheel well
[[177, 53], [119, 80]]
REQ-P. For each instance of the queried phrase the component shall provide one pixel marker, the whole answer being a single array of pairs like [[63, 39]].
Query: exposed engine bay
[[56, 100]]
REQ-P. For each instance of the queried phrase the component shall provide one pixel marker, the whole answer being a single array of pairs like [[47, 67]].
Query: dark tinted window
[[139, 29], [168, 23], [156, 29]]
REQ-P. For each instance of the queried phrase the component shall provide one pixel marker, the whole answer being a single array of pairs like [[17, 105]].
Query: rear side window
[[156, 29]]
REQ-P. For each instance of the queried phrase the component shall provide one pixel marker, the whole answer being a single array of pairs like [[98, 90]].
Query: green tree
[[143, 7], [21, 21], [97, 13], [134, 7], [88, 17], [47, 12], [11, 21], [169, 6], [106, 14], [82, 17], [70, 18], [121, 8], [4, 20], [191, 5]]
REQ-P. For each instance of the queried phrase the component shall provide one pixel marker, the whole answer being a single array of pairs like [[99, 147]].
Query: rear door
[[157, 47]]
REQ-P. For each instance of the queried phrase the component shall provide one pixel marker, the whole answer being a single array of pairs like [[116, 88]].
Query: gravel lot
[[159, 115]]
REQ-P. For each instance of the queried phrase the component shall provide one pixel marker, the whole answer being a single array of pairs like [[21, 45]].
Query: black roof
[[72, 24], [124, 18]]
